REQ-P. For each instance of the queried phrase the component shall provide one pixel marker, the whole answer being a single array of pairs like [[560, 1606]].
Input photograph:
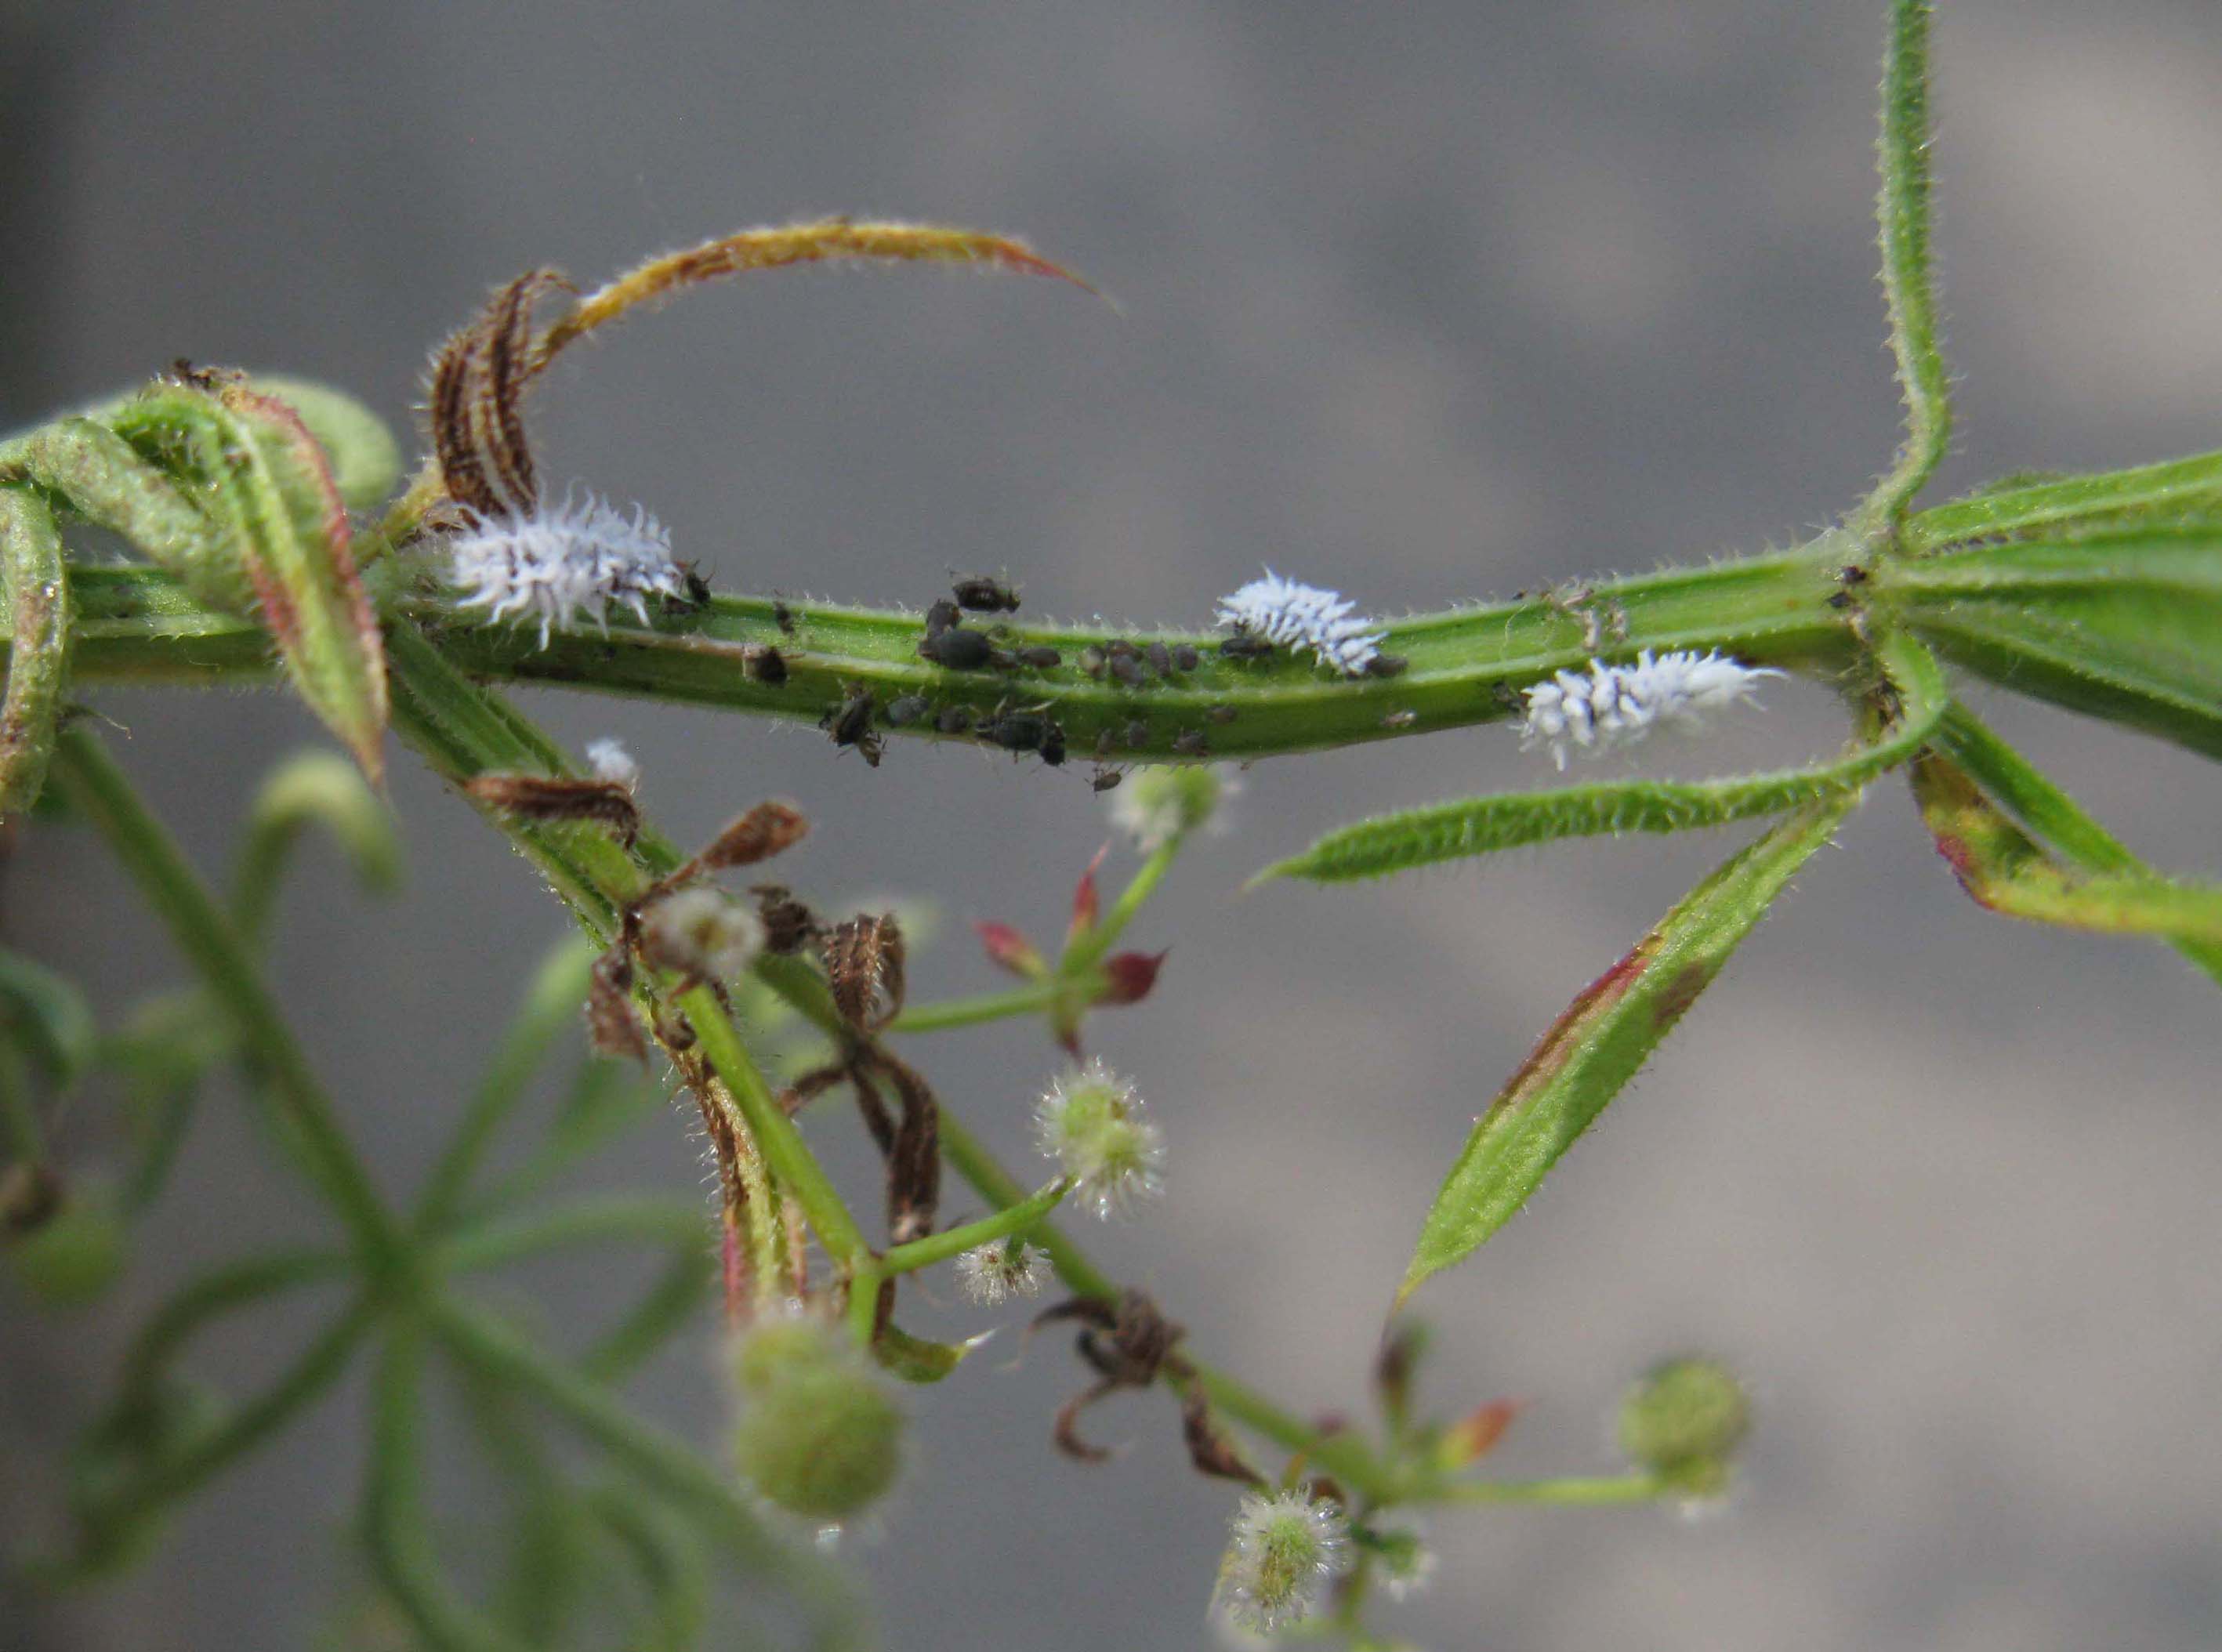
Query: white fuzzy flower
[[1001, 1269], [610, 761], [1290, 615], [700, 931], [1618, 705], [1091, 1121], [553, 561], [1402, 1558], [1284, 1551], [1160, 802]]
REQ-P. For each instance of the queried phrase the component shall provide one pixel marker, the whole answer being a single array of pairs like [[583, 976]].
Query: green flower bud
[[818, 1435], [74, 1255], [1161, 802], [1684, 1421]]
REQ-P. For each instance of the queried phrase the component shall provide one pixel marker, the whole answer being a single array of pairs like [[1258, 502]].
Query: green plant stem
[[552, 1002], [21, 1135], [203, 930], [787, 1156], [138, 625], [1342, 1456], [403, 1550], [1029, 999], [319, 1367], [676, 1469], [955, 1241], [215, 1294], [1567, 1492], [651, 1218]]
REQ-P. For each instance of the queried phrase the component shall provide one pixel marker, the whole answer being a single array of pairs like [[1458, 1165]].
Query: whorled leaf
[[825, 240], [1479, 826], [281, 544], [2124, 626], [2004, 871], [38, 658], [1604, 1036], [2179, 492], [48, 1018]]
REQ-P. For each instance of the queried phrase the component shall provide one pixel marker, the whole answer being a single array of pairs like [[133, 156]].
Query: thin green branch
[[1029, 999], [136, 625], [551, 1007], [203, 930], [1902, 210], [212, 1297], [955, 1241], [1574, 1490], [654, 1219], [403, 1550]]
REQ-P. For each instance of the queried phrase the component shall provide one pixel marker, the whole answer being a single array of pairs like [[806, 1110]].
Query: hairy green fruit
[[819, 1434], [1684, 1421]]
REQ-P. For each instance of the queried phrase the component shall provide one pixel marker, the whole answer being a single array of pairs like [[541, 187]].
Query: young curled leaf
[[1475, 1435], [825, 240], [1008, 948], [2004, 871], [914, 1358], [38, 656], [277, 542], [479, 379], [1130, 975]]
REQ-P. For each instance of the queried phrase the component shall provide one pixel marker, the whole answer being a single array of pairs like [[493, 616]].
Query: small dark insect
[[1104, 780], [906, 709], [1221, 714], [1128, 669], [556, 797], [1016, 731], [1160, 658], [1189, 743], [766, 664], [1105, 739], [1041, 659], [1243, 646], [1186, 658], [1400, 720], [957, 648], [850, 724], [985, 595], [1840, 599], [1506, 695], [783, 617], [1852, 574], [954, 719], [940, 617], [1123, 650], [1386, 665], [698, 590], [1138, 732], [1052, 745], [1093, 660]]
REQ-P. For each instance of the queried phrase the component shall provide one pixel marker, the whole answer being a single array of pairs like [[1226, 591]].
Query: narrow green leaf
[[2124, 626], [2004, 871], [38, 656], [1604, 1036], [2179, 492], [915, 1359], [365, 459], [1478, 825], [1903, 211], [2016, 784]]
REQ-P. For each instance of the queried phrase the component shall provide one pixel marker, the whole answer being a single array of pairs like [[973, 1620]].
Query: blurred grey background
[[1427, 301]]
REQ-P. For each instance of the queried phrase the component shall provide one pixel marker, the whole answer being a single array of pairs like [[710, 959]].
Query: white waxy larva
[[1290, 615], [1618, 705], [554, 561]]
